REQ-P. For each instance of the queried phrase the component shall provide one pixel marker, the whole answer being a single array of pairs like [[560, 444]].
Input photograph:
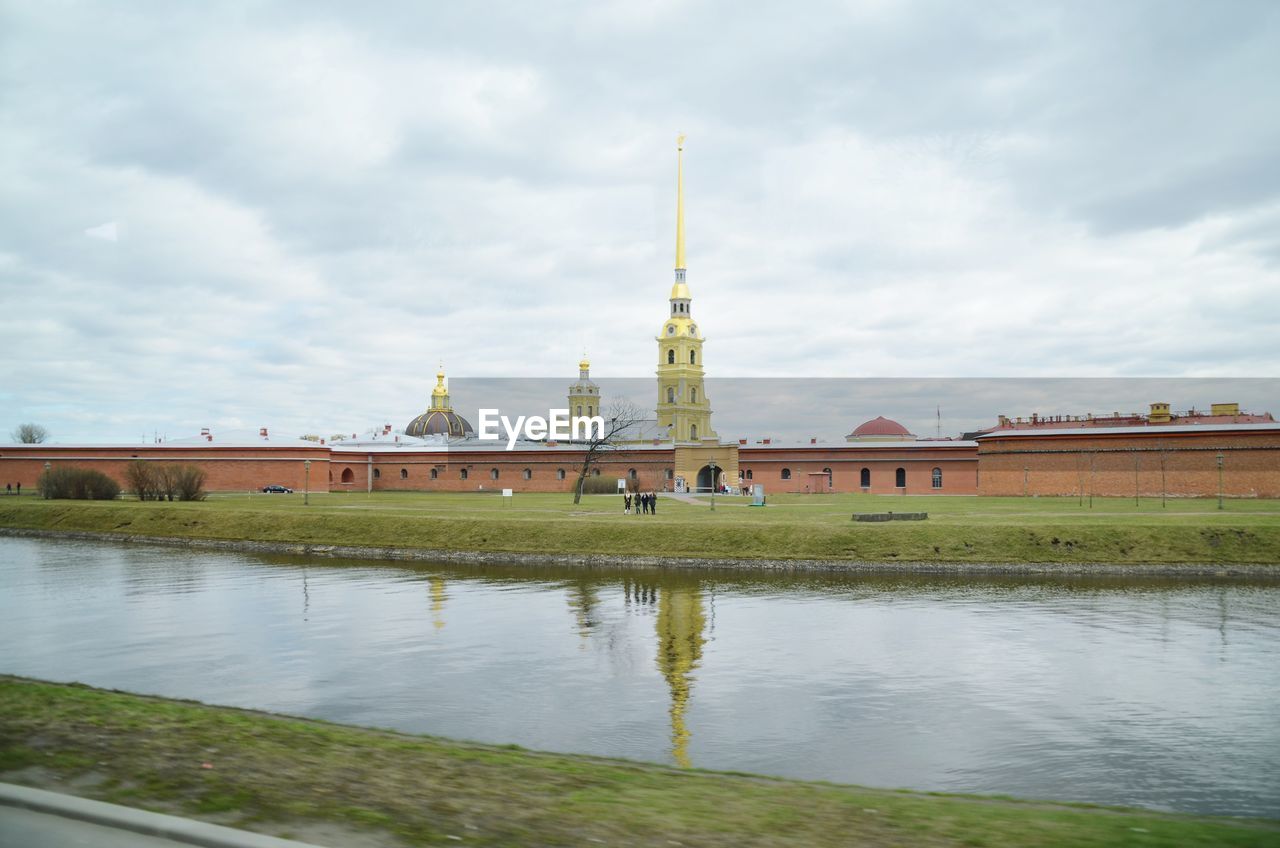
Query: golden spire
[[680, 201]]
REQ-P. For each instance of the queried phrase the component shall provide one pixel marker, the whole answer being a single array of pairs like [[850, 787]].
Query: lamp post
[[306, 481], [712, 465], [1219, 481]]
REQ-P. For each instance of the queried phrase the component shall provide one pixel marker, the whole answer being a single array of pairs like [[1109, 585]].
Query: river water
[[1158, 693]]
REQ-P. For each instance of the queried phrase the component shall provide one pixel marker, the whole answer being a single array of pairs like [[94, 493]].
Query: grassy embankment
[[290, 776], [1037, 530]]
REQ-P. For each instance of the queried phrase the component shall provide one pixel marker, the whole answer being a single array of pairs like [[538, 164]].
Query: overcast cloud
[[289, 214]]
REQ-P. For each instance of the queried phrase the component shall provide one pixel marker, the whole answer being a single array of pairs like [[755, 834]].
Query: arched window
[[693, 395], [671, 394], [671, 357], [786, 474], [579, 412], [900, 478], [348, 476], [749, 475], [591, 410], [937, 478], [377, 473], [404, 474], [631, 472], [595, 472], [693, 431], [435, 472], [827, 471], [693, 357], [462, 474], [527, 474], [670, 475], [493, 474], [559, 473], [865, 478]]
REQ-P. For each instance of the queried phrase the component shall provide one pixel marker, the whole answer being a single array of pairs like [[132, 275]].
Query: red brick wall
[[650, 468], [959, 468], [1119, 465], [227, 469]]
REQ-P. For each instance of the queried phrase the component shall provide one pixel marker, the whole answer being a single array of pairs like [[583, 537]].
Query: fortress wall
[[1120, 465], [228, 469], [959, 468]]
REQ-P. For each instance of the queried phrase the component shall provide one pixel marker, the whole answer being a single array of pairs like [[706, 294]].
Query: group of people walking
[[646, 502], [8, 488]]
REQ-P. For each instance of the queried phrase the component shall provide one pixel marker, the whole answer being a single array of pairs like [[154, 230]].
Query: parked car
[[277, 490]]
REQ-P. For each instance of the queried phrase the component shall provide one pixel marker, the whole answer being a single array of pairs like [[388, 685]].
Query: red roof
[[881, 426]]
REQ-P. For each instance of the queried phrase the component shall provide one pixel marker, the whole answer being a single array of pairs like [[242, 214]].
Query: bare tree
[[621, 417], [29, 434]]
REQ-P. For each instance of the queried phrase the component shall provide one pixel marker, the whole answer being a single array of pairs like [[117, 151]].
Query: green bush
[[154, 481], [82, 484]]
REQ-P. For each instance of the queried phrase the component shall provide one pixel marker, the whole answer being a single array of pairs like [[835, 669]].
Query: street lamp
[[712, 465], [1219, 481], [306, 481]]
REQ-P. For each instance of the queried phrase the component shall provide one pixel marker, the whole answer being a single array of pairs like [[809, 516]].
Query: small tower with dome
[[584, 395]]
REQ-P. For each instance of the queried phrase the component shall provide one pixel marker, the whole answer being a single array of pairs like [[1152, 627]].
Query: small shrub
[[188, 482], [81, 484], [155, 481], [140, 480]]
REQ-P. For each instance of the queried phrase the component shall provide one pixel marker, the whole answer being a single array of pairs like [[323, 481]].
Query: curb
[[175, 828]]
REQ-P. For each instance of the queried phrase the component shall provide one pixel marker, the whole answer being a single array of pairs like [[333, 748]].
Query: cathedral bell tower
[[683, 409], [584, 395]]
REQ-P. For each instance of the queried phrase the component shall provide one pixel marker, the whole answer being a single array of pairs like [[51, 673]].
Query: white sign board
[[622, 484], [506, 493]]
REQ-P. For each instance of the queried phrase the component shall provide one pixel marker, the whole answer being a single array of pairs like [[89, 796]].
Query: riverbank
[[960, 536], [295, 777]]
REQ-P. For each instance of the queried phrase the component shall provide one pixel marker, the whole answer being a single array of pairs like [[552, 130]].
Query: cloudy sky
[[289, 214]]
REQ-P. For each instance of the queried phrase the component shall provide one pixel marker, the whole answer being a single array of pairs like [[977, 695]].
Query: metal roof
[[1150, 429]]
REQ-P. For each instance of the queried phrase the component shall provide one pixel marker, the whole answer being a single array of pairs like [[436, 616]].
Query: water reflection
[[680, 625], [1110, 690], [438, 597], [583, 600]]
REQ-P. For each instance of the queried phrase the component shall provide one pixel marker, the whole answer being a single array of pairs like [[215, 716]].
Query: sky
[[291, 214]]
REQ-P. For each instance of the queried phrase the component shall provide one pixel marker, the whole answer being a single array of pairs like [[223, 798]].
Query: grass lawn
[[285, 776], [959, 529]]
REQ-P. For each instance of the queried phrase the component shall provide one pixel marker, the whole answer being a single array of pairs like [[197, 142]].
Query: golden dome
[[584, 365], [439, 422]]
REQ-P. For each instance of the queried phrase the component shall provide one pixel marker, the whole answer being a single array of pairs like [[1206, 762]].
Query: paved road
[[34, 818], [21, 828]]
